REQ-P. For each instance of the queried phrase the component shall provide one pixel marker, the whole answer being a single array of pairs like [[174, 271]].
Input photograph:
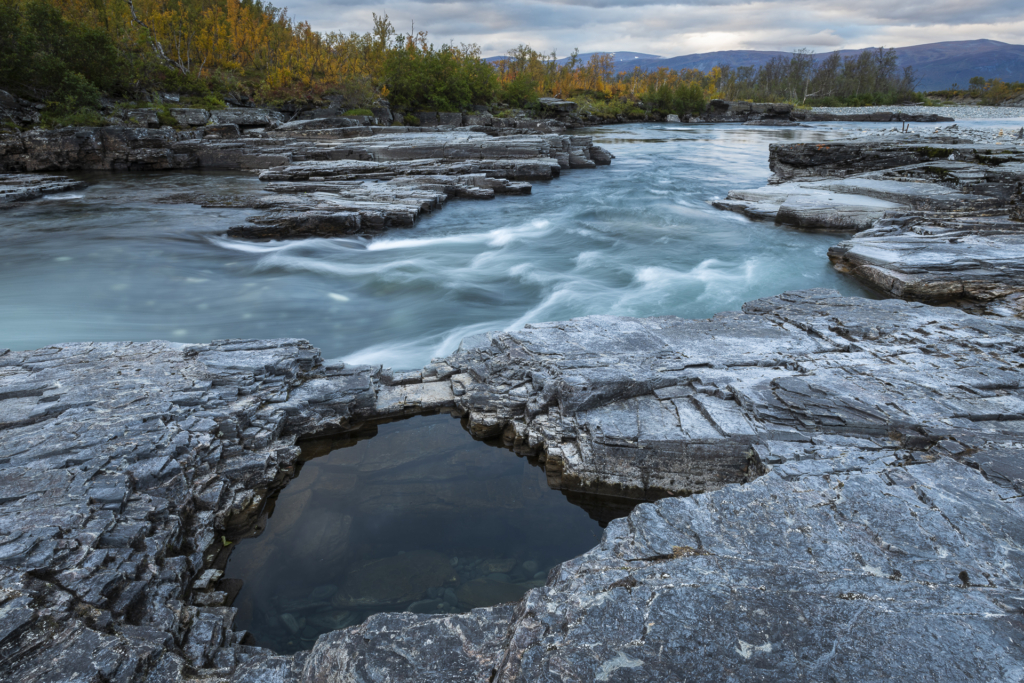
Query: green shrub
[[165, 118], [208, 102], [422, 78], [520, 91], [359, 112], [75, 93], [81, 117], [410, 120]]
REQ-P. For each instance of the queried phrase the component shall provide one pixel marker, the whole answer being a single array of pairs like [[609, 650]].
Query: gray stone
[[25, 186], [558, 105], [937, 221], [246, 118], [191, 117], [147, 118]]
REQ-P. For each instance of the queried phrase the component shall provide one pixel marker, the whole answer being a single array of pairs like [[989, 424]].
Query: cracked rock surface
[[857, 463], [937, 220]]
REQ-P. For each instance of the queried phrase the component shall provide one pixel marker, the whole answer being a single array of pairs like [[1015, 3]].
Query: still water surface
[[637, 238], [419, 518]]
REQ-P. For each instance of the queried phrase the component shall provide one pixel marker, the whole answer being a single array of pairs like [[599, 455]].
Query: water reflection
[[419, 518]]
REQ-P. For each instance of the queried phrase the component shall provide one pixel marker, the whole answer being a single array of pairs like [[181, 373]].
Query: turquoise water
[[636, 238]]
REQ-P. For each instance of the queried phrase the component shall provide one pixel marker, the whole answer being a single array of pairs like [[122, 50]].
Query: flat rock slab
[[20, 187], [937, 221], [857, 465], [320, 182]]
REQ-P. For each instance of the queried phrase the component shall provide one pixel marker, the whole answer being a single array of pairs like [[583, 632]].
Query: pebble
[[530, 566], [540, 575], [499, 576]]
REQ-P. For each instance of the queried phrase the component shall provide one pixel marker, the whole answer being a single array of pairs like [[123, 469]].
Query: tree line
[[70, 53]]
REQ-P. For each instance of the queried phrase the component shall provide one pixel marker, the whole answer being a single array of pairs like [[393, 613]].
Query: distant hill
[[621, 59], [937, 65]]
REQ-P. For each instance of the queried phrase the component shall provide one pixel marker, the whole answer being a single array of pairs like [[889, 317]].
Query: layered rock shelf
[[937, 219], [324, 177], [20, 187], [858, 465], [756, 113]]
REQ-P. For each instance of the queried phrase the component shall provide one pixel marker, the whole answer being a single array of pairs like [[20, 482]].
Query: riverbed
[[116, 262]]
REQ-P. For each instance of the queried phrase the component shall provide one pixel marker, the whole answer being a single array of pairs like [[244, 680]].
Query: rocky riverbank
[[324, 177], [859, 463], [939, 216]]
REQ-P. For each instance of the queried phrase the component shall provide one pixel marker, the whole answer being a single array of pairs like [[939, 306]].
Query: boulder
[[449, 118], [191, 117], [222, 130], [147, 118], [246, 118], [557, 105]]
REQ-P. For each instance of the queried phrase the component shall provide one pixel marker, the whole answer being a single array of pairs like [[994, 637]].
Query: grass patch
[[82, 117]]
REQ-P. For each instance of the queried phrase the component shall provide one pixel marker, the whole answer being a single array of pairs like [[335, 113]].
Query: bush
[[163, 115], [81, 117], [208, 102], [418, 77], [359, 112], [410, 120], [75, 93], [520, 91], [684, 99]]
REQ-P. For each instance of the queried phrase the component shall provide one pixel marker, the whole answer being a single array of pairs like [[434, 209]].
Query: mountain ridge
[[936, 65]]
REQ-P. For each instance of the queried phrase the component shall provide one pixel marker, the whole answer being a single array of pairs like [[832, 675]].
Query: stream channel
[[420, 517], [636, 238]]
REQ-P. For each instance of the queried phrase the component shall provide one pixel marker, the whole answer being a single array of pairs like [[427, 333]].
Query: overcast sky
[[671, 28]]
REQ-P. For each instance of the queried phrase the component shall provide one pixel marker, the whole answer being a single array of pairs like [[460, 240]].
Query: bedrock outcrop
[[324, 177], [936, 219], [857, 515]]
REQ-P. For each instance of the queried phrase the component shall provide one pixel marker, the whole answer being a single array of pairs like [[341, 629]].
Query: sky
[[668, 28]]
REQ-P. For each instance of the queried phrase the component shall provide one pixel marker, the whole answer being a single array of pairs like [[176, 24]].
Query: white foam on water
[[498, 237], [249, 247], [318, 266], [63, 196], [418, 352], [313, 244]]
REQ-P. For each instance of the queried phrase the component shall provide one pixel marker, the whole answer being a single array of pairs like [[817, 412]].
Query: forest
[[71, 54]]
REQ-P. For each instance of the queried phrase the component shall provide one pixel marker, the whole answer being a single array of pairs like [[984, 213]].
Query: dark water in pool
[[420, 518], [635, 238]]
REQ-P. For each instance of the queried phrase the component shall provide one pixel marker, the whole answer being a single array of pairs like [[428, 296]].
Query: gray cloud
[[673, 28]]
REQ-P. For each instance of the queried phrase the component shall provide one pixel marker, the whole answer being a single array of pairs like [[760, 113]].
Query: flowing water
[[420, 518], [111, 262]]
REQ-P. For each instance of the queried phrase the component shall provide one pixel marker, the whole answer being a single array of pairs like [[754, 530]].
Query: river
[[114, 262]]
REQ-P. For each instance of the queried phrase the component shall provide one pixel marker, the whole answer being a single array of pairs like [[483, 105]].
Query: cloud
[[670, 28]]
